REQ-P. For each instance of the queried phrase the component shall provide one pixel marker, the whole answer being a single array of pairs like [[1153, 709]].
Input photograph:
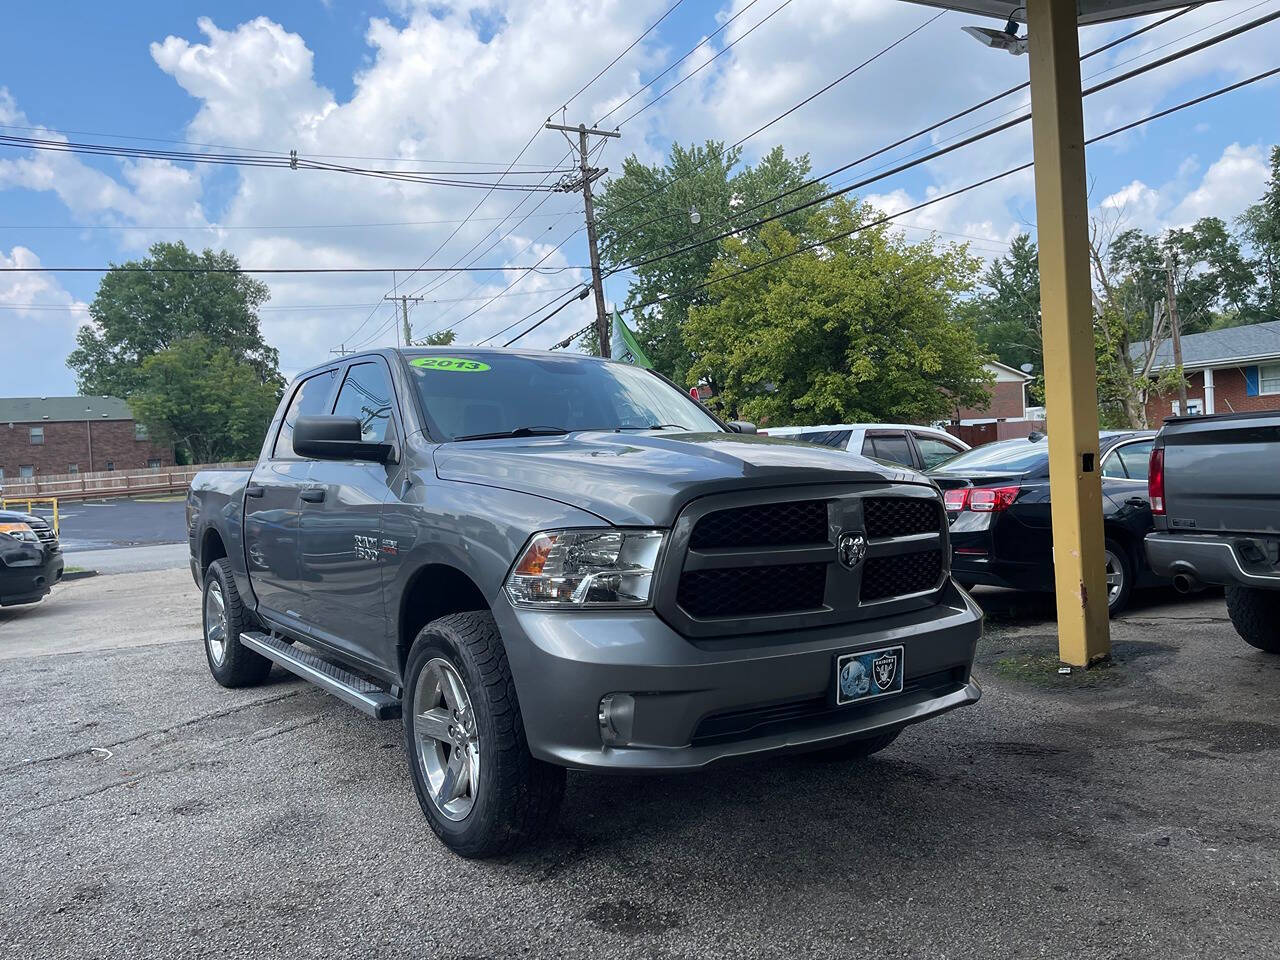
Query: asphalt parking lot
[[120, 522], [1132, 811]]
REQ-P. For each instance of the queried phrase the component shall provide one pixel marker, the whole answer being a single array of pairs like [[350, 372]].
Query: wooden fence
[[107, 483]]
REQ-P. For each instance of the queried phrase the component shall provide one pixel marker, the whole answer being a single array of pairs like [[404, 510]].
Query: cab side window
[[366, 395], [308, 399], [892, 447]]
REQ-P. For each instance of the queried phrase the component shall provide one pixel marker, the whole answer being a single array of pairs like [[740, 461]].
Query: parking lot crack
[[159, 732]]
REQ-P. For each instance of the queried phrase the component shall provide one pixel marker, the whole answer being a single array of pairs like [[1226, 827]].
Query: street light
[[694, 216], [1006, 39]]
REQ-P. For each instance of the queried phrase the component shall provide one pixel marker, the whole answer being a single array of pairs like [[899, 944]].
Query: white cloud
[[1235, 180]]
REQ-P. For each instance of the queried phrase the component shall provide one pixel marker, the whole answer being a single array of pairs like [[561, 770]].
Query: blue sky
[[471, 82]]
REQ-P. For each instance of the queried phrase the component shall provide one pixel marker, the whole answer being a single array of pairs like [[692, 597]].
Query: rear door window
[[309, 398], [891, 447], [1136, 458], [836, 439], [934, 450]]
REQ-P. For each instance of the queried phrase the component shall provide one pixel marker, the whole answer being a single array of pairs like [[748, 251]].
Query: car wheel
[[481, 790], [1119, 577], [1256, 616], [231, 662], [859, 749]]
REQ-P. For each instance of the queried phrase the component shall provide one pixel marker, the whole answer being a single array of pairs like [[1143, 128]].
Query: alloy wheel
[[1115, 577], [215, 622], [444, 726]]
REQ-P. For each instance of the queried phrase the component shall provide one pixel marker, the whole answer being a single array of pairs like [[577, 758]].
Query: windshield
[[1012, 456], [481, 394]]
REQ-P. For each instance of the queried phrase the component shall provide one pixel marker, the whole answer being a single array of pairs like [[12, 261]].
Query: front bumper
[[715, 700], [1214, 558], [27, 573]]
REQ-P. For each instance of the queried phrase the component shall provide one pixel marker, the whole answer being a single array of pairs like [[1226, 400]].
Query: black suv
[[30, 558]]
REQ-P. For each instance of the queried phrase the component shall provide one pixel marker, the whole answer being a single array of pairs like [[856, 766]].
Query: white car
[[921, 448]]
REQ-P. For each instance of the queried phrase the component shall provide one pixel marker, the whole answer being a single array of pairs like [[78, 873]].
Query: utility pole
[[341, 351], [1174, 331], [586, 175], [404, 313]]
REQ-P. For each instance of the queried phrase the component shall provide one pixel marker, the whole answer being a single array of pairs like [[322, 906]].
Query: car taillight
[[1155, 480], [991, 499], [955, 500]]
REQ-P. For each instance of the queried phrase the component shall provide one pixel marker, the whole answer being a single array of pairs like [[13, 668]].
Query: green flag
[[624, 346]]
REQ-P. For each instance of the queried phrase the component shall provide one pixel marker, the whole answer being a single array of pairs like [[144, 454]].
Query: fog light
[[617, 718]]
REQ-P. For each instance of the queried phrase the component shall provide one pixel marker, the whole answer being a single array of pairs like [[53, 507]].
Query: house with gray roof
[[1228, 371]]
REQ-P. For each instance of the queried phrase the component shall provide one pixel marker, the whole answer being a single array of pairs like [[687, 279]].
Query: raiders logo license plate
[[865, 676]]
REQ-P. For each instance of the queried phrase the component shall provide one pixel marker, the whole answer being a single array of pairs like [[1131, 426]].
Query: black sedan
[[997, 499], [30, 558]]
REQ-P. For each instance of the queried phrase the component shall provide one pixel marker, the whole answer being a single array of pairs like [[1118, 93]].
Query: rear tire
[[1256, 616], [231, 662], [859, 749], [462, 726]]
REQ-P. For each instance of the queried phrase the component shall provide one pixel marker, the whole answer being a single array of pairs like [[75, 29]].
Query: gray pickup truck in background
[[545, 561], [1214, 486]]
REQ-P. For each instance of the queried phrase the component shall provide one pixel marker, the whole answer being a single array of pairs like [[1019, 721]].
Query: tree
[[439, 338], [199, 396], [1260, 226], [646, 212], [149, 305], [1006, 315], [860, 329]]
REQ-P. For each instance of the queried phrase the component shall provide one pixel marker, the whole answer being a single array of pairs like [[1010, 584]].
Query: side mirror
[[337, 438], [742, 426]]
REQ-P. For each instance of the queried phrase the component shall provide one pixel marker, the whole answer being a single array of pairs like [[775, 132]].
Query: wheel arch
[[432, 591], [211, 548]]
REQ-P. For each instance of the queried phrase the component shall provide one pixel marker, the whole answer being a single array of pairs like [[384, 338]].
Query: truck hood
[[645, 480]]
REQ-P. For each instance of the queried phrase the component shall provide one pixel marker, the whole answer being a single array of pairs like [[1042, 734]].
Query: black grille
[[753, 591], [900, 516], [902, 574], [42, 530], [764, 525]]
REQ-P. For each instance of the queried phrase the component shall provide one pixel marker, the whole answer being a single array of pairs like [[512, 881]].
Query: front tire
[[225, 617], [1256, 616], [1119, 570], [481, 790]]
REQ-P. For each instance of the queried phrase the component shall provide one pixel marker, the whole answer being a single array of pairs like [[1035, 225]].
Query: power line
[[805, 248], [631, 46], [293, 162], [581, 296], [259, 226], [942, 151], [701, 43], [547, 271], [934, 126], [263, 150]]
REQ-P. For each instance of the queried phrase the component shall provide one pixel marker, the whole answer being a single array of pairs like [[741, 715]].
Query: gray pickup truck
[[1214, 486], [547, 561]]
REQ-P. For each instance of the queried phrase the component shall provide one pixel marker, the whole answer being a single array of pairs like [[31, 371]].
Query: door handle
[[255, 491], [1138, 502], [313, 495]]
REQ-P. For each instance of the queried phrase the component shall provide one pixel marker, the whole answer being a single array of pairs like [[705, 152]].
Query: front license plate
[[865, 676]]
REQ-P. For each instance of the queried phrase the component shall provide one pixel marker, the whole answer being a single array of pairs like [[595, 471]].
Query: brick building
[[1228, 371], [1008, 396], [42, 436]]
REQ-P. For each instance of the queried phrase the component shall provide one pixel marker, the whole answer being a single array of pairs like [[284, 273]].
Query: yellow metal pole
[[1071, 391]]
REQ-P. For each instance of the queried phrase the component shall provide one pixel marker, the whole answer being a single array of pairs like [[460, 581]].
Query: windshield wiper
[[656, 426], [517, 432]]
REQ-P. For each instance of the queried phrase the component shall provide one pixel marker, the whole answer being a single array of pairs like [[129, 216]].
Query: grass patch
[[1035, 670], [66, 570]]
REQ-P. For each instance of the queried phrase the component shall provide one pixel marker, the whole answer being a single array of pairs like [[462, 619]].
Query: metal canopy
[[1087, 11]]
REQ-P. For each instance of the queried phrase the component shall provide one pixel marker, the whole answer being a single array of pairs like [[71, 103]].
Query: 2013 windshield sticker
[[450, 364]]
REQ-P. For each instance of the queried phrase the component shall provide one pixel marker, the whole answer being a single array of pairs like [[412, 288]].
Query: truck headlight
[[18, 531], [586, 568]]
